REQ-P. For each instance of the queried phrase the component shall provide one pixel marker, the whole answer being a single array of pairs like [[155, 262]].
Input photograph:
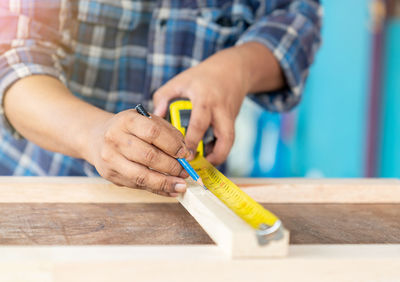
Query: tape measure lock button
[[266, 233]]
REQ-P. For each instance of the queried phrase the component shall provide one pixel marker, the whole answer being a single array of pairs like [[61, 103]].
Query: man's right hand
[[126, 148], [140, 152]]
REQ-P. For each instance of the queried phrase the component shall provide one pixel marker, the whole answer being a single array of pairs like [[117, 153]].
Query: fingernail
[[191, 155], [160, 108], [182, 153], [157, 111], [184, 174], [180, 187]]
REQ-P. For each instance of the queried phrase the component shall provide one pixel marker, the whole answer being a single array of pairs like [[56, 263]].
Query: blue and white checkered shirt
[[116, 53]]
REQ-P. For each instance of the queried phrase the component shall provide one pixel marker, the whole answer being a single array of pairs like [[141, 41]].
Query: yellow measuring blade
[[232, 196]]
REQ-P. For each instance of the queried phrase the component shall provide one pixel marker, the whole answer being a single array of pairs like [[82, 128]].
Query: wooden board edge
[[198, 263], [200, 252], [286, 190]]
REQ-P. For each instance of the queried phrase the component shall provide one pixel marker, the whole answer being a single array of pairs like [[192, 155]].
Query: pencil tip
[[200, 182]]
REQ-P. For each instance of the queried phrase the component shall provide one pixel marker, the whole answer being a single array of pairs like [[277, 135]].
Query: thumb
[[161, 99], [160, 108]]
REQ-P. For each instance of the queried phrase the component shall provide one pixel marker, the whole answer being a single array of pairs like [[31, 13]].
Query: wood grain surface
[[340, 223], [98, 224], [170, 223]]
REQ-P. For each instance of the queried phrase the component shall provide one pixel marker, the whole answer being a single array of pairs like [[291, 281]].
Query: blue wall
[[331, 131], [326, 134], [390, 147]]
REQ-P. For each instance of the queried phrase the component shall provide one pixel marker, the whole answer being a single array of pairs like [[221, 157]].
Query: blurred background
[[348, 123]]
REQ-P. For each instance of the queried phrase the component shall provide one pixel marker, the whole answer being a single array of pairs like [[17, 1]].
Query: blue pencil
[[184, 163], [193, 174]]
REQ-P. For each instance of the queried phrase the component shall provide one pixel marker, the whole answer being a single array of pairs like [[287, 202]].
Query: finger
[[138, 151], [224, 131], [158, 132], [200, 119], [161, 99], [164, 193], [140, 177], [122, 181]]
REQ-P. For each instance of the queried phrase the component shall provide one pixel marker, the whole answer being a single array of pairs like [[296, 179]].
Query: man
[[71, 72]]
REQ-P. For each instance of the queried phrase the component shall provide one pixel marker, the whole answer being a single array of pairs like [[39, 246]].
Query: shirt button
[[163, 22]]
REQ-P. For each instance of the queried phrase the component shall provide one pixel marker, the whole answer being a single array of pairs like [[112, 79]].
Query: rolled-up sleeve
[[30, 43], [292, 32]]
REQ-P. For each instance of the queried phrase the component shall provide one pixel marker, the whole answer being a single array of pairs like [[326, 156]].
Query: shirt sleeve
[[30, 43], [292, 33]]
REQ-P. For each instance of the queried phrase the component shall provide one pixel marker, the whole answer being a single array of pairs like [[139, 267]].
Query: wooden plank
[[171, 224], [285, 190], [198, 263], [226, 229], [235, 237]]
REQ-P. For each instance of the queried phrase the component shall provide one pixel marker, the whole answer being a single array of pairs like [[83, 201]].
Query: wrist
[[90, 134], [230, 68], [261, 71]]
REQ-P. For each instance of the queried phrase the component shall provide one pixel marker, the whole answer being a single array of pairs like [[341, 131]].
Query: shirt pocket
[[225, 24], [121, 14]]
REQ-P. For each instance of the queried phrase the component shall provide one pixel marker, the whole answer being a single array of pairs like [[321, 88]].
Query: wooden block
[[234, 236]]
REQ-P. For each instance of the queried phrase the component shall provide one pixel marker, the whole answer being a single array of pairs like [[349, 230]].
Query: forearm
[[43, 110], [252, 64]]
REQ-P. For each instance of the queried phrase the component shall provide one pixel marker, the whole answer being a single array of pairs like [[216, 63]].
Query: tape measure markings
[[232, 196]]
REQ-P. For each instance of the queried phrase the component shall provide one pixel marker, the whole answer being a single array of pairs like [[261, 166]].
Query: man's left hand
[[217, 88]]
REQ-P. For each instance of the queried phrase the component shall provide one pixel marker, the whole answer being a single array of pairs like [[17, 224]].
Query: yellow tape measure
[[265, 222], [232, 196]]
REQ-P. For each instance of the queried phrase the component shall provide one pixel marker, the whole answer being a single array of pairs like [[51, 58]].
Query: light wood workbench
[[82, 229]]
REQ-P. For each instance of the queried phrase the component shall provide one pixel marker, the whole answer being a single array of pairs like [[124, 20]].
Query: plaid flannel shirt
[[116, 53]]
